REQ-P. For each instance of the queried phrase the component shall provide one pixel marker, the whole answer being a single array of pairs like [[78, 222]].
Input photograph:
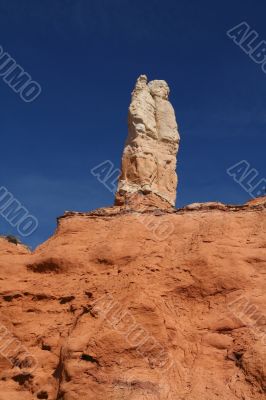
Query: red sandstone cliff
[[149, 304]]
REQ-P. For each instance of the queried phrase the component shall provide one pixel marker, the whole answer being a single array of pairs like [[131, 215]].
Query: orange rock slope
[[138, 303]]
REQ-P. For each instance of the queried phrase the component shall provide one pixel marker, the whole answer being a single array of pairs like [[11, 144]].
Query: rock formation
[[139, 303], [149, 158], [114, 306]]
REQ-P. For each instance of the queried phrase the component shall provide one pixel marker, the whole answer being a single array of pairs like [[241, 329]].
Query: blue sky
[[86, 55]]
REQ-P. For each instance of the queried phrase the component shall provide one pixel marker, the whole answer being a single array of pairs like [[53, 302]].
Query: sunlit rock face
[[138, 305], [149, 157]]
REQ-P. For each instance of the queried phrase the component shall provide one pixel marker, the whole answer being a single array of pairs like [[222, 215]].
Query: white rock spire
[[149, 157]]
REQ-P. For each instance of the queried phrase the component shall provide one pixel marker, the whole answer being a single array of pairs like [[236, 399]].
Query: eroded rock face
[[149, 158], [116, 307]]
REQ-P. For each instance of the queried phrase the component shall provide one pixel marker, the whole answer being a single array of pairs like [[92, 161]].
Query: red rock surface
[[132, 303]]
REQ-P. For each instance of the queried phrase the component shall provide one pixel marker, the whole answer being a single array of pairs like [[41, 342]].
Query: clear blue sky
[[86, 55]]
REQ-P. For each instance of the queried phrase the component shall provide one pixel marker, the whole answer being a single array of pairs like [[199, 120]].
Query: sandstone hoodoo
[[113, 308], [149, 158]]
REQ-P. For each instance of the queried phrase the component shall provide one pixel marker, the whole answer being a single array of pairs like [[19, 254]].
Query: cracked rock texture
[[149, 158], [138, 304]]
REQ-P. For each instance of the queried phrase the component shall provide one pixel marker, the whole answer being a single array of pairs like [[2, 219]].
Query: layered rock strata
[[116, 307]]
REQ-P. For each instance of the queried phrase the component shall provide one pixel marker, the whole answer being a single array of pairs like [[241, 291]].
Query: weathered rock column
[[149, 157]]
